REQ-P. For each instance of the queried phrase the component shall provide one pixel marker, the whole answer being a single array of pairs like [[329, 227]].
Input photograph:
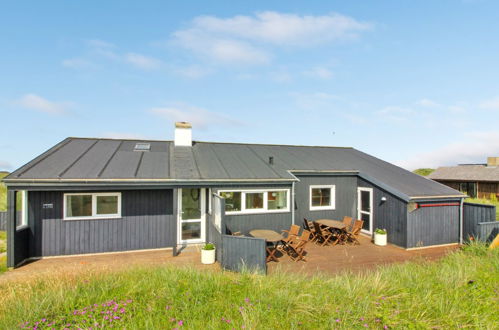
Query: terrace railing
[[479, 221], [236, 253]]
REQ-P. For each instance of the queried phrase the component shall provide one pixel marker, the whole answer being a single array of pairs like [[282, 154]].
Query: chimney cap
[[182, 124]]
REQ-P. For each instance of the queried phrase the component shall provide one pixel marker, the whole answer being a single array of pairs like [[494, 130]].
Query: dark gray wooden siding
[[435, 225], [246, 222], [487, 231], [390, 215], [346, 193], [473, 214], [243, 253], [148, 221]]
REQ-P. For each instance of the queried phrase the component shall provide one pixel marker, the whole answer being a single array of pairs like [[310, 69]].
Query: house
[[475, 180], [88, 195]]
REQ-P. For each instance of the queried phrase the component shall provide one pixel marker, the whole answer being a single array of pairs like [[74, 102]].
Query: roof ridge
[[212, 142]]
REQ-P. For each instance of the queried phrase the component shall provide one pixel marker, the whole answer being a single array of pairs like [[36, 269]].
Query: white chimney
[[183, 134]]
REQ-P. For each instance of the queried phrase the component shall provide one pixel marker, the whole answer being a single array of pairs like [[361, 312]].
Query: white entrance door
[[365, 208], [191, 215]]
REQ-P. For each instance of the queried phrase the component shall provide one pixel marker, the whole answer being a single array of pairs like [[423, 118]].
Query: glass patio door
[[191, 224], [365, 208]]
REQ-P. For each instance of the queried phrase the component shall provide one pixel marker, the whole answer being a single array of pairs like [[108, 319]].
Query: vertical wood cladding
[[147, 222]]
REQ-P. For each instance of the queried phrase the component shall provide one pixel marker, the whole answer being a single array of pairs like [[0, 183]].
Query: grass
[[424, 171], [3, 193], [485, 201], [461, 290], [3, 241], [3, 264]]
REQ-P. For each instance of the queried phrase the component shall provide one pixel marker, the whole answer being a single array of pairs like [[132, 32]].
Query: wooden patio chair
[[309, 226], [351, 235], [296, 247], [294, 230], [348, 222], [322, 234]]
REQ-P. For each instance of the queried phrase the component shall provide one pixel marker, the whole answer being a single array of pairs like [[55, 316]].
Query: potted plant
[[208, 254], [380, 237]]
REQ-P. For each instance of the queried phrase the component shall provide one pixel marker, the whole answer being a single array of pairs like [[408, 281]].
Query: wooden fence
[[236, 253], [479, 221]]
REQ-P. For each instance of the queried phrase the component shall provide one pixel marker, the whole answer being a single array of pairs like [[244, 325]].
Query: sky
[[415, 83]]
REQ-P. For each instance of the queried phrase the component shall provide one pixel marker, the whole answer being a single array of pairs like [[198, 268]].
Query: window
[[92, 206], [232, 200], [142, 147], [277, 200], [322, 197], [256, 201], [21, 209]]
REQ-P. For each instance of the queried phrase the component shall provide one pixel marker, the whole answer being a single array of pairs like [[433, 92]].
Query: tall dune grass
[[460, 290]]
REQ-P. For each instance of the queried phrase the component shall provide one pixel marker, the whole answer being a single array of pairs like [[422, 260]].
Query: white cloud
[[319, 72], [243, 38], [142, 61], [199, 118], [121, 135], [492, 104], [474, 148], [5, 165], [220, 49], [395, 113], [77, 63], [38, 103], [103, 48], [427, 103], [282, 76], [97, 43], [193, 71]]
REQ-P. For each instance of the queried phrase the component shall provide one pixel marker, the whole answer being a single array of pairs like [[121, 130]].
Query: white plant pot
[[208, 256], [380, 239]]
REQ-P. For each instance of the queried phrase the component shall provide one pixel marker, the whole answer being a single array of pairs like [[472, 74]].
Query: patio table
[[335, 225], [332, 223], [270, 236]]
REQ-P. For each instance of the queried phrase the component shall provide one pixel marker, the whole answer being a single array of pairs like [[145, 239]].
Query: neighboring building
[[88, 195], [475, 180]]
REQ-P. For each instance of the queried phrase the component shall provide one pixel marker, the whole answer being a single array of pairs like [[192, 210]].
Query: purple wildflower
[[365, 325], [338, 320], [180, 323]]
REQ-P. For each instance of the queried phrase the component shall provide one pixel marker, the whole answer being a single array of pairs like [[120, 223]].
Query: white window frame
[[94, 215], [332, 205], [265, 201], [24, 210]]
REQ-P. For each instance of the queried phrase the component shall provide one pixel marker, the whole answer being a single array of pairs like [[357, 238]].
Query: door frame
[[371, 209], [202, 195]]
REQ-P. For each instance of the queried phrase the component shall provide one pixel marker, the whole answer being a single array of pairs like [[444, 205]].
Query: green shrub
[[209, 246]]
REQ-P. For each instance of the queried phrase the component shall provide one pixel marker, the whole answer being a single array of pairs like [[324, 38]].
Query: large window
[[21, 209], [322, 197], [92, 206], [256, 201]]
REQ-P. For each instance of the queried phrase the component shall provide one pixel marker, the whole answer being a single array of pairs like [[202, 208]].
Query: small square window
[[142, 147], [322, 197]]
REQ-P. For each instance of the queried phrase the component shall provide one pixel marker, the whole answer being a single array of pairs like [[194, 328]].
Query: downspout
[[461, 224]]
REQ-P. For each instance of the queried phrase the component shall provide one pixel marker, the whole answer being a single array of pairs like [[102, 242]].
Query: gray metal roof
[[466, 173], [94, 160]]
